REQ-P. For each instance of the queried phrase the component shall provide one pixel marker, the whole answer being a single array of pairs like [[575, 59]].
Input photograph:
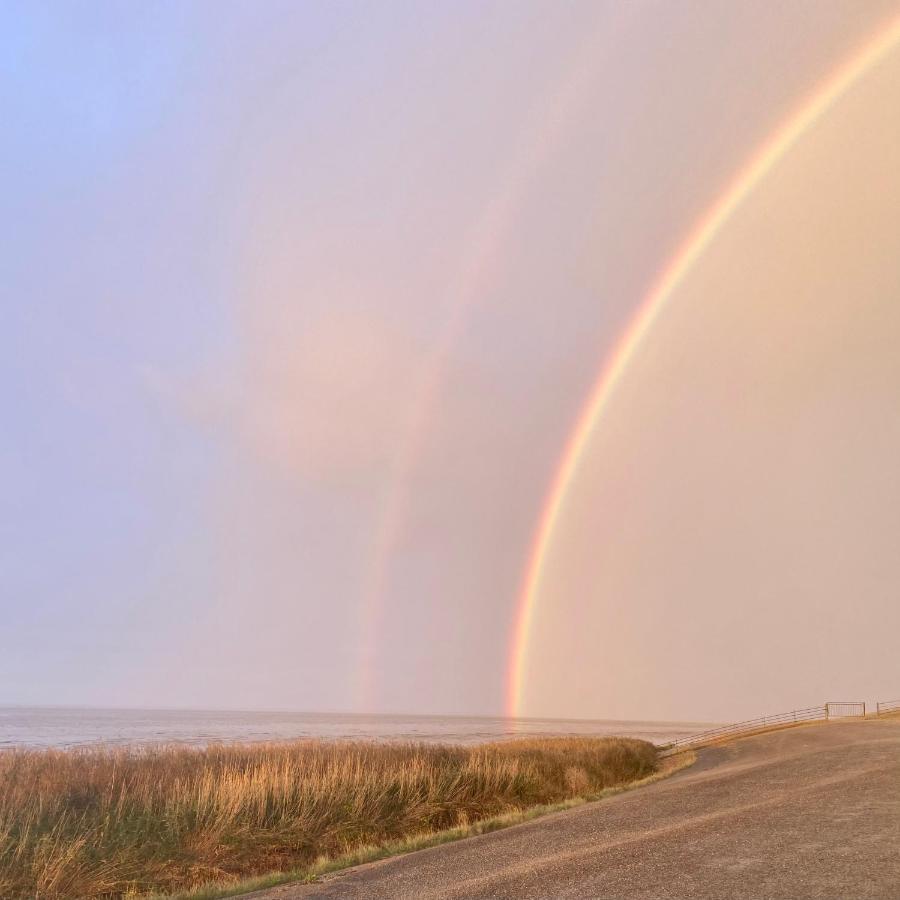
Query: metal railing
[[830, 710], [841, 709], [886, 706]]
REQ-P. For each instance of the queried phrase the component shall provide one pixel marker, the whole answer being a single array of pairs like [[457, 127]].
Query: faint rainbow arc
[[484, 244], [688, 253]]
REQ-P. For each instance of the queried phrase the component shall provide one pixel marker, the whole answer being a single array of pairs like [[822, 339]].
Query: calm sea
[[71, 727]]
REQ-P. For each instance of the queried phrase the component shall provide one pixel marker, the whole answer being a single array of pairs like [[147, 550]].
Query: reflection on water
[[71, 727]]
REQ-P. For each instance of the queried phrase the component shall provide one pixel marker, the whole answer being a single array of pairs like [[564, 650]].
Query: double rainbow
[[687, 255]]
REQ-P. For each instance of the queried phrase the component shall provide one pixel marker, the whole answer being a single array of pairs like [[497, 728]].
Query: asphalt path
[[808, 812]]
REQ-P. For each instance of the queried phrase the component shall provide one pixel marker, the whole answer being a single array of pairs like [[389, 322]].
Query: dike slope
[[809, 812]]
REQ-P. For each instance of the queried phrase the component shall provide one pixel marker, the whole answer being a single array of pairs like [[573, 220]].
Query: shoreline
[[71, 728]]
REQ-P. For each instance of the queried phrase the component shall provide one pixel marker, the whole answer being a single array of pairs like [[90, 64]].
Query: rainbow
[[471, 283], [689, 252]]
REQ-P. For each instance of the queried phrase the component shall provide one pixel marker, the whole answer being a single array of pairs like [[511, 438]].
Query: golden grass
[[422, 841], [116, 823]]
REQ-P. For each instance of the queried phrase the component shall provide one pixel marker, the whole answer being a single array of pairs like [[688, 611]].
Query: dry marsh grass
[[116, 823]]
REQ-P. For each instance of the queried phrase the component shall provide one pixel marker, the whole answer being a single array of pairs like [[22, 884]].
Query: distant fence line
[[833, 709]]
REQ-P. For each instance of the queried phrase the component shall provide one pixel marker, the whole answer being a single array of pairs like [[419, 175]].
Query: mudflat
[[808, 812]]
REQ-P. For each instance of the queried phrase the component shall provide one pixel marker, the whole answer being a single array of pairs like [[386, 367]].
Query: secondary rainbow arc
[[687, 255], [483, 244]]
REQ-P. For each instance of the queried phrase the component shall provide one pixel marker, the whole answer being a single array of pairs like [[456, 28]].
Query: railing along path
[[833, 709]]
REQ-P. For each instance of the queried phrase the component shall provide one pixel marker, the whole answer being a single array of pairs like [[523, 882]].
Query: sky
[[301, 304]]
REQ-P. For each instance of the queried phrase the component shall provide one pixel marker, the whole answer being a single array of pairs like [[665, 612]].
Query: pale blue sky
[[229, 241]]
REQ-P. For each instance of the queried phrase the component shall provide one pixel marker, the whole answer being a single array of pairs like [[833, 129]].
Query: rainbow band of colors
[[689, 252]]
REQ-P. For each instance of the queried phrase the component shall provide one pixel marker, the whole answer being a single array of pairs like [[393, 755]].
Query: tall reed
[[113, 823]]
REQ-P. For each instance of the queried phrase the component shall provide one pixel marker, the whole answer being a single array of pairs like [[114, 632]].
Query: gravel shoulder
[[810, 812]]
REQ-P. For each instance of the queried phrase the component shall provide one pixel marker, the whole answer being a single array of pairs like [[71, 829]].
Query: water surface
[[73, 727]]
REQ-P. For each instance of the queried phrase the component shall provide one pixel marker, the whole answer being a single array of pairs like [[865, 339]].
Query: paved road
[[811, 812]]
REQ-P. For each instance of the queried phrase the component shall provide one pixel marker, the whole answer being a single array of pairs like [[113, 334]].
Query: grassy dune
[[113, 823]]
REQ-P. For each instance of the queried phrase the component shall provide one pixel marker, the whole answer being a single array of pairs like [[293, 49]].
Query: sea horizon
[[68, 726]]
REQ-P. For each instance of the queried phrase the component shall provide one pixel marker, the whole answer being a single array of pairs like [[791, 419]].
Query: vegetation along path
[[809, 812]]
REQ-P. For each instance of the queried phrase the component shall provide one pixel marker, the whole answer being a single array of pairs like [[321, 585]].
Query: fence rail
[[830, 710], [886, 706], [839, 709]]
